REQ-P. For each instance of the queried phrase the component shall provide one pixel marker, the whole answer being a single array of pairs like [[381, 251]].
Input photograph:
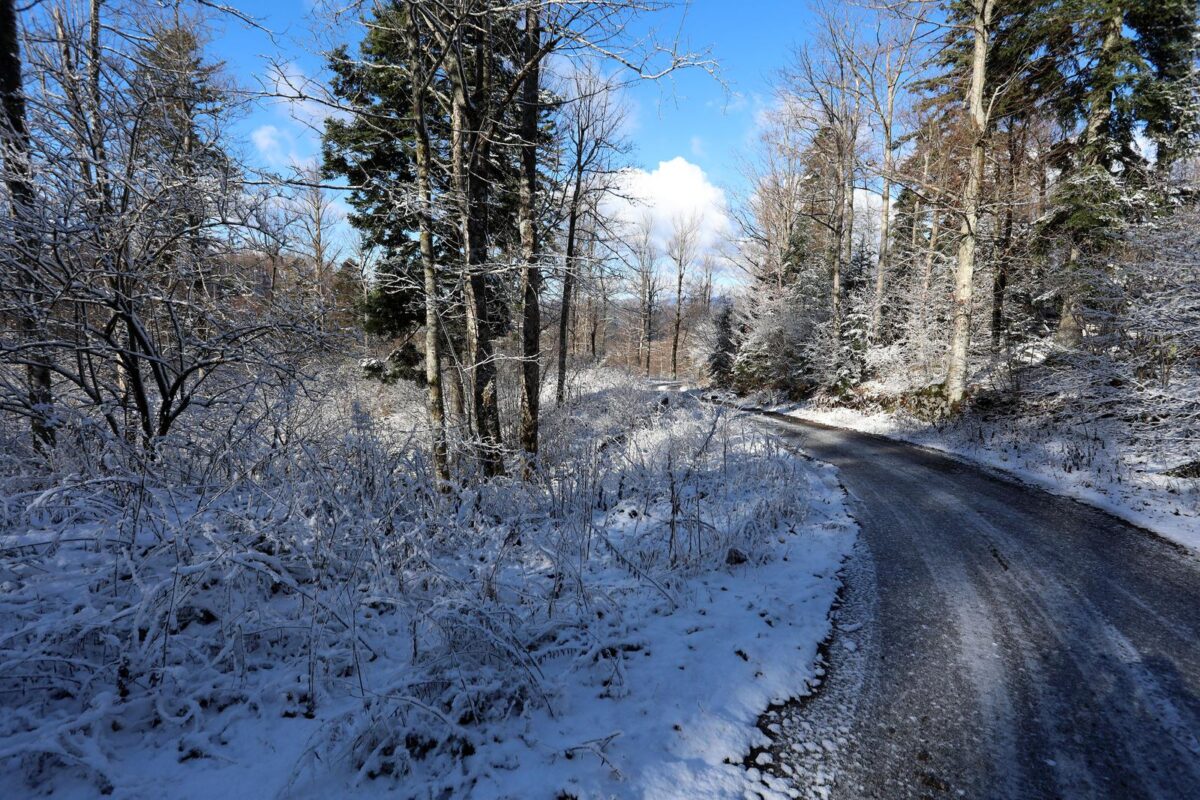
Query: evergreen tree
[[1131, 72], [373, 150], [182, 154], [720, 361]]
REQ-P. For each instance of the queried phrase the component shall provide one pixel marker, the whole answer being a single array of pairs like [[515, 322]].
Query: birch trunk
[[960, 343], [469, 157]]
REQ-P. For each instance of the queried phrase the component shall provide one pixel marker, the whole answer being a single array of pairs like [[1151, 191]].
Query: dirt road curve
[[996, 642]]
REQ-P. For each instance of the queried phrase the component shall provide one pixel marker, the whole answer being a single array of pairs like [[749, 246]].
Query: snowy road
[[997, 642]]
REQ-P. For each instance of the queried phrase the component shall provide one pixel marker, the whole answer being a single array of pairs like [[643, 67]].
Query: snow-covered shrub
[[714, 346], [780, 349], [151, 594], [300, 563]]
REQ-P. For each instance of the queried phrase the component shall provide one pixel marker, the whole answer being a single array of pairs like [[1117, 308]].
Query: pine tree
[[373, 150], [468, 209], [720, 361], [1138, 58]]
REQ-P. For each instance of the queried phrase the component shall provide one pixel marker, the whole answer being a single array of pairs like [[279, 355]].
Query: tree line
[[940, 188], [940, 185], [151, 270]]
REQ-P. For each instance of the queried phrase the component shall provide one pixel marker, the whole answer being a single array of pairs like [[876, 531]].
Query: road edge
[[989, 470]]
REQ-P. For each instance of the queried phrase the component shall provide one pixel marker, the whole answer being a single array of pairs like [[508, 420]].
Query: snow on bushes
[[288, 605]]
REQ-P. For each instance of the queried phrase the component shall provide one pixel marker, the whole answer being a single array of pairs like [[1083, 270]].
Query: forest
[[433, 462]]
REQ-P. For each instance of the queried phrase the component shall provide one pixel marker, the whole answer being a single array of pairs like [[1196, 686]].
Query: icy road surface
[[996, 642]]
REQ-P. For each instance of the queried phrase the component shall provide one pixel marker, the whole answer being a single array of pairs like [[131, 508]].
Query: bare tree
[[645, 267], [774, 212], [824, 86], [704, 287], [883, 70], [682, 249], [592, 121], [143, 236], [599, 300], [531, 276], [316, 218]]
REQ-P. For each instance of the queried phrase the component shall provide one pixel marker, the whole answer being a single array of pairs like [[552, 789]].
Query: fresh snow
[[697, 682], [571, 644]]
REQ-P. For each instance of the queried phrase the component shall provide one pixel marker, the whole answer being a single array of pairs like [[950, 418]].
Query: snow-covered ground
[[1087, 463], [326, 626]]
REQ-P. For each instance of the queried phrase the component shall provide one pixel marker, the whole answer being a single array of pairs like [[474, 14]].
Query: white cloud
[[267, 138], [732, 103], [279, 147], [675, 189], [868, 201], [697, 147], [298, 113], [302, 95]]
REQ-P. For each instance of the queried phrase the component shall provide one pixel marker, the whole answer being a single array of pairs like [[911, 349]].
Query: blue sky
[[693, 115], [690, 117]]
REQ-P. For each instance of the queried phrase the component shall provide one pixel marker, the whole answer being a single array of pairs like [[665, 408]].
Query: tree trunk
[[531, 277], [452, 382], [1070, 323], [927, 286], [484, 388], [600, 322], [960, 343], [847, 258], [568, 281], [836, 283], [842, 245], [885, 213], [678, 323], [1000, 277], [851, 155], [469, 158], [433, 356], [593, 330], [647, 317], [573, 321], [590, 316], [14, 139], [881, 267]]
